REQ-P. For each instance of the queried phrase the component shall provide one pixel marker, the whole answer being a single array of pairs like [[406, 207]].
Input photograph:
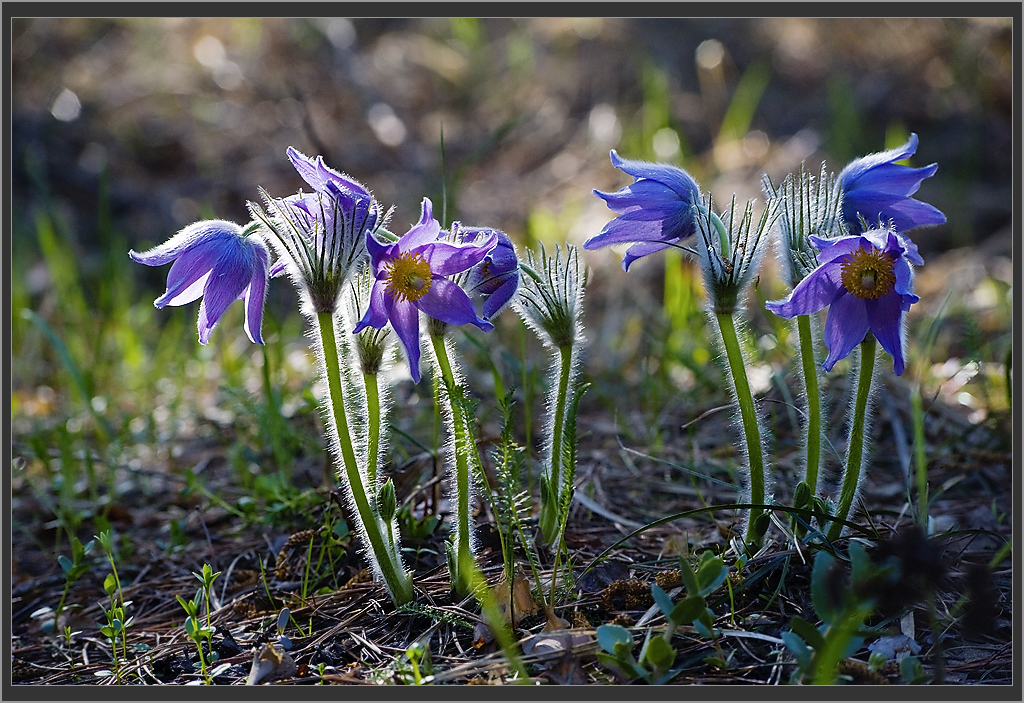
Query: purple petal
[[405, 319], [447, 259], [255, 296], [447, 302], [423, 232], [379, 252], [378, 311], [278, 268], [190, 237], [499, 298], [856, 168], [321, 177], [675, 178], [845, 328], [624, 231], [642, 249], [641, 194], [885, 317], [817, 290], [911, 213], [189, 273], [232, 273], [832, 249], [904, 276], [893, 179]]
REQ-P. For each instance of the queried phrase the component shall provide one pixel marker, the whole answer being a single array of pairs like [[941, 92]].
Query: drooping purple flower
[[320, 235], [411, 275], [218, 261], [866, 281], [655, 211], [496, 278], [878, 190]]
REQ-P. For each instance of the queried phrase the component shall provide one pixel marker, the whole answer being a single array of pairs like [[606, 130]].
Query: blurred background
[[126, 130]]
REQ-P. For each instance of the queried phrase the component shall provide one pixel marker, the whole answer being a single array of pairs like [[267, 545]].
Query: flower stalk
[[858, 432], [812, 395], [462, 535], [549, 508], [756, 526], [550, 302], [384, 558]]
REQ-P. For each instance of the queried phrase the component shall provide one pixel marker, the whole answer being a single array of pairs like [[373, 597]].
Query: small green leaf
[[704, 629], [911, 670], [795, 644], [689, 578], [716, 662], [110, 584], [608, 636], [662, 599], [807, 631], [688, 610], [861, 568], [386, 501], [65, 564], [822, 597], [660, 653], [711, 575]]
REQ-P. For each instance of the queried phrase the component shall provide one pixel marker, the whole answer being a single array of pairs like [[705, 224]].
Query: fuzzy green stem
[[398, 584], [855, 446], [373, 427], [554, 476], [748, 415], [461, 460], [813, 444]]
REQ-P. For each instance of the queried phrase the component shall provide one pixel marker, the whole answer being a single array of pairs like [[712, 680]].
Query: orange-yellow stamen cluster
[[868, 273], [409, 277]]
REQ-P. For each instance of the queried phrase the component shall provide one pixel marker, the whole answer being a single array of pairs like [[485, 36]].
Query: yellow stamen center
[[868, 273], [409, 277]]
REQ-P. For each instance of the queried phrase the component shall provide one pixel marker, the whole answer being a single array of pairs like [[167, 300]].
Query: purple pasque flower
[[866, 281], [496, 278], [218, 261], [655, 211], [878, 190], [412, 275], [320, 235]]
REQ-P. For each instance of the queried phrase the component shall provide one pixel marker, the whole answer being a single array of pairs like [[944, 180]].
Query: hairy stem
[[855, 446], [748, 415], [813, 444], [397, 582], [555, 474], [462, 533], [373, 428]]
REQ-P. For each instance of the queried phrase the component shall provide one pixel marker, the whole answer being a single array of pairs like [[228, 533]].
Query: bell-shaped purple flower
[[655, 211], [218, 261], [866, 281], [496, 278], [878, 190], [320, 236], [412, 275]]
